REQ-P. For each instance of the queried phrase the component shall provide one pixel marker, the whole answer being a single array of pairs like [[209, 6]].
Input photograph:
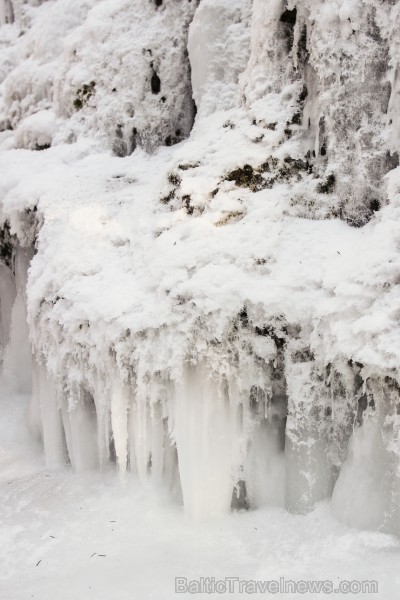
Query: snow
[[36, 132], [208, 302]]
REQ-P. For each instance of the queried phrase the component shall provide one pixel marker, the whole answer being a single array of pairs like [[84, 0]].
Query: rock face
[[208, 196]]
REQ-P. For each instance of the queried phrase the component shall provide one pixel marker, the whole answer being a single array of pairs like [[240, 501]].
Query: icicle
[[367, 493], [8, 293], [149, 437], [80, 424], [34, 412], [265, 466], [53, 431], [393, 113], [139, 427], [202, 433], [359, 496], [157, 443], [171, 469], [119, 422], [391, 439], [100, 396], [309, 472], [311, 111], [132, 437], [17, 364]]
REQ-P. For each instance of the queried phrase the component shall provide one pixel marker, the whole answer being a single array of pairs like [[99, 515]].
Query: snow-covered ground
[[56, 526]]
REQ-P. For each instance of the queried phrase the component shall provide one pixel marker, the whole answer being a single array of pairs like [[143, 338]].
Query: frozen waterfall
[[199, 246]]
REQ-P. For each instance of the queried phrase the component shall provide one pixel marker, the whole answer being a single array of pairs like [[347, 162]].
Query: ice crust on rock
[[207, 196]]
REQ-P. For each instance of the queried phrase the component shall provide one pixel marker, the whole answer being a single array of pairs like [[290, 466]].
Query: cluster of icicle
[[279, 431]]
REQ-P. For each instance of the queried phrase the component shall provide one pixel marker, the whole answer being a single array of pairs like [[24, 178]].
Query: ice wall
[[7, 296], [212, 190], [17, 360]]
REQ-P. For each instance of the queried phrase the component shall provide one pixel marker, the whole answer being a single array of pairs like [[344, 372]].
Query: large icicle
[[45, 396], [264, 470], [309, 472], [17, 363], [203, 437], [367, 492], [152, 455], [80, 425], [8, 293], [119, 422], [101, 400]]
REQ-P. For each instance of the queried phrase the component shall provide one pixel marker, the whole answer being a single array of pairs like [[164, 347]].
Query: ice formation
[[205, 196]]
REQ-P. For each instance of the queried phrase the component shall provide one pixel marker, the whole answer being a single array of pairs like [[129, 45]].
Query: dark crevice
[[112, 452], [133, 140], [302, 50], [289, 17], [125, 143], [239, 497], [288, 22], [155, 83], [386, 94], [322, 136], [392, 161], [374, 205], [8, 245]]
